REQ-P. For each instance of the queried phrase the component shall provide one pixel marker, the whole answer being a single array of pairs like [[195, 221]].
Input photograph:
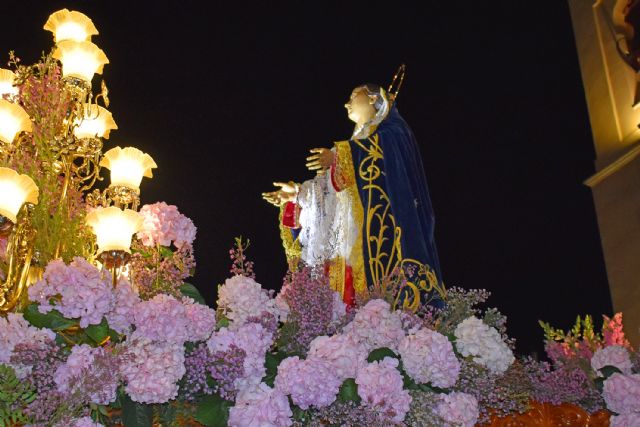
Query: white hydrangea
[[614, 355], [242, 297], [484, 343]]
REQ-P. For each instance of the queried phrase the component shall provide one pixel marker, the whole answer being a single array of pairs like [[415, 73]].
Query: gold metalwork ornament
[[115, 195], [19, 254], [396, 83]]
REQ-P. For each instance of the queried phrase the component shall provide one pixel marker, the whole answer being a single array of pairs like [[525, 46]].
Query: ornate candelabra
[[52, 130]]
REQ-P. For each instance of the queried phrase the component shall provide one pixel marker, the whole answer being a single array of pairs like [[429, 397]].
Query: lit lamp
[[15, 190], [70, 25], [114, 229], [13, 120], [97, 123], [6, 83], [80, 60], [128, 165]]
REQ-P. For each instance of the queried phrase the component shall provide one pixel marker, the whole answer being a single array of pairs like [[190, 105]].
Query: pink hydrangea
[[380, 387], [622, 393], [201, 320], [626, 420], [14, 330], [614, 355], [120, 317], [255, 340], [376, 326], [162, 318], [163, 224], [339, 308], [79, 290], [242, 297], [152, 369], [68, 375], [458, 409], [311, 382], [261, 406], [428, 357], [85, 422], [344, 354]]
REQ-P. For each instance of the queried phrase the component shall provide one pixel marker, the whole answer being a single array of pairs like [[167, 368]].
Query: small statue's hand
[[286, 193], [321, 159]]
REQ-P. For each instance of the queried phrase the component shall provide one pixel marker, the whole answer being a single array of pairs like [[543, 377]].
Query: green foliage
[[136, 414], [349, 391], [380, 353], [52, 320], [15, 395], [188, 290], [272, 360], [213, 411]]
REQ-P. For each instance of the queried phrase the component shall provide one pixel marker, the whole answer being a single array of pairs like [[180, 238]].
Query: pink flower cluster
[[163, 224], [612, 331], [428, 357], [152, 369], [311, 382], [78, 290], [162, 318], [200, 318], [14, 330], [68, 375], [614, 355], [121, 317], [344, 354], [85, 422], [380, 387], [261, 406], [458, 409], [627, 420], [376, 326], [254, 340], [622, 394], [242, 297]]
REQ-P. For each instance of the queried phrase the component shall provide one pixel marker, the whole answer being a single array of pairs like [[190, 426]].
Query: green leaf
[[609, 370], [349, 391], [188, 290], [52, 320], [136, 414], [213, 411], [165, 252], [223, 323], [380, 353], [98, 333], [272, 360]]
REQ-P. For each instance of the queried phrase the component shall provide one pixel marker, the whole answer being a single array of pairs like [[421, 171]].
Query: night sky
[[229, 97]]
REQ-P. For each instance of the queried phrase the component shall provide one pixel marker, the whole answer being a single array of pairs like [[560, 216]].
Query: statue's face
[[360, 107]]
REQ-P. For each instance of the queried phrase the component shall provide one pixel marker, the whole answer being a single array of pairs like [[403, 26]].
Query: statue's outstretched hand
[[321, 160], [286, 193]]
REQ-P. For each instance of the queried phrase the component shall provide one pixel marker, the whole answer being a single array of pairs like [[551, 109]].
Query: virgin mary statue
[[366, 217]]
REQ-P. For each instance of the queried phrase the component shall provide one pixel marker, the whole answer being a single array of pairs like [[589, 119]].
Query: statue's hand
[[321, 159], [287, 193]]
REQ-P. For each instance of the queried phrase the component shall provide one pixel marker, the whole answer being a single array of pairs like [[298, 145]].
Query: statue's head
[[364, 103]]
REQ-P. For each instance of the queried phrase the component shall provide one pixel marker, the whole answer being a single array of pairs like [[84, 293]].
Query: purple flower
[[614, 355], [77, 290], [14, 330], [380, 387], [120, 317], [622, 393], [311, 382], [626, 420], [242, 297], [261, 406], [344, 354], [376, 326], [428, 357]]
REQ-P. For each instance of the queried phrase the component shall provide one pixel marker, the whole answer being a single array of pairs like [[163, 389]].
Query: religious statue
[[366, 216]]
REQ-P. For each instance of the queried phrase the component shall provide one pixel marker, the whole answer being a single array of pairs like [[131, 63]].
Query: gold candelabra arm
[[19, 255], [116, 195]]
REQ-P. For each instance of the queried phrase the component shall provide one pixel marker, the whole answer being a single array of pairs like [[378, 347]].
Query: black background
[[228, 97]]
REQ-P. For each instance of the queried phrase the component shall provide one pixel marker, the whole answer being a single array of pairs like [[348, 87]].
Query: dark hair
[[374, 90]]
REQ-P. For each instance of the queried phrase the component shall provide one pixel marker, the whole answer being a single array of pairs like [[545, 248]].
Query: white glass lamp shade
[[6, 83], [98, 122], [15, 190], [128, 166], [70, 25], [13, 120], [80, 59], [114, 227]]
